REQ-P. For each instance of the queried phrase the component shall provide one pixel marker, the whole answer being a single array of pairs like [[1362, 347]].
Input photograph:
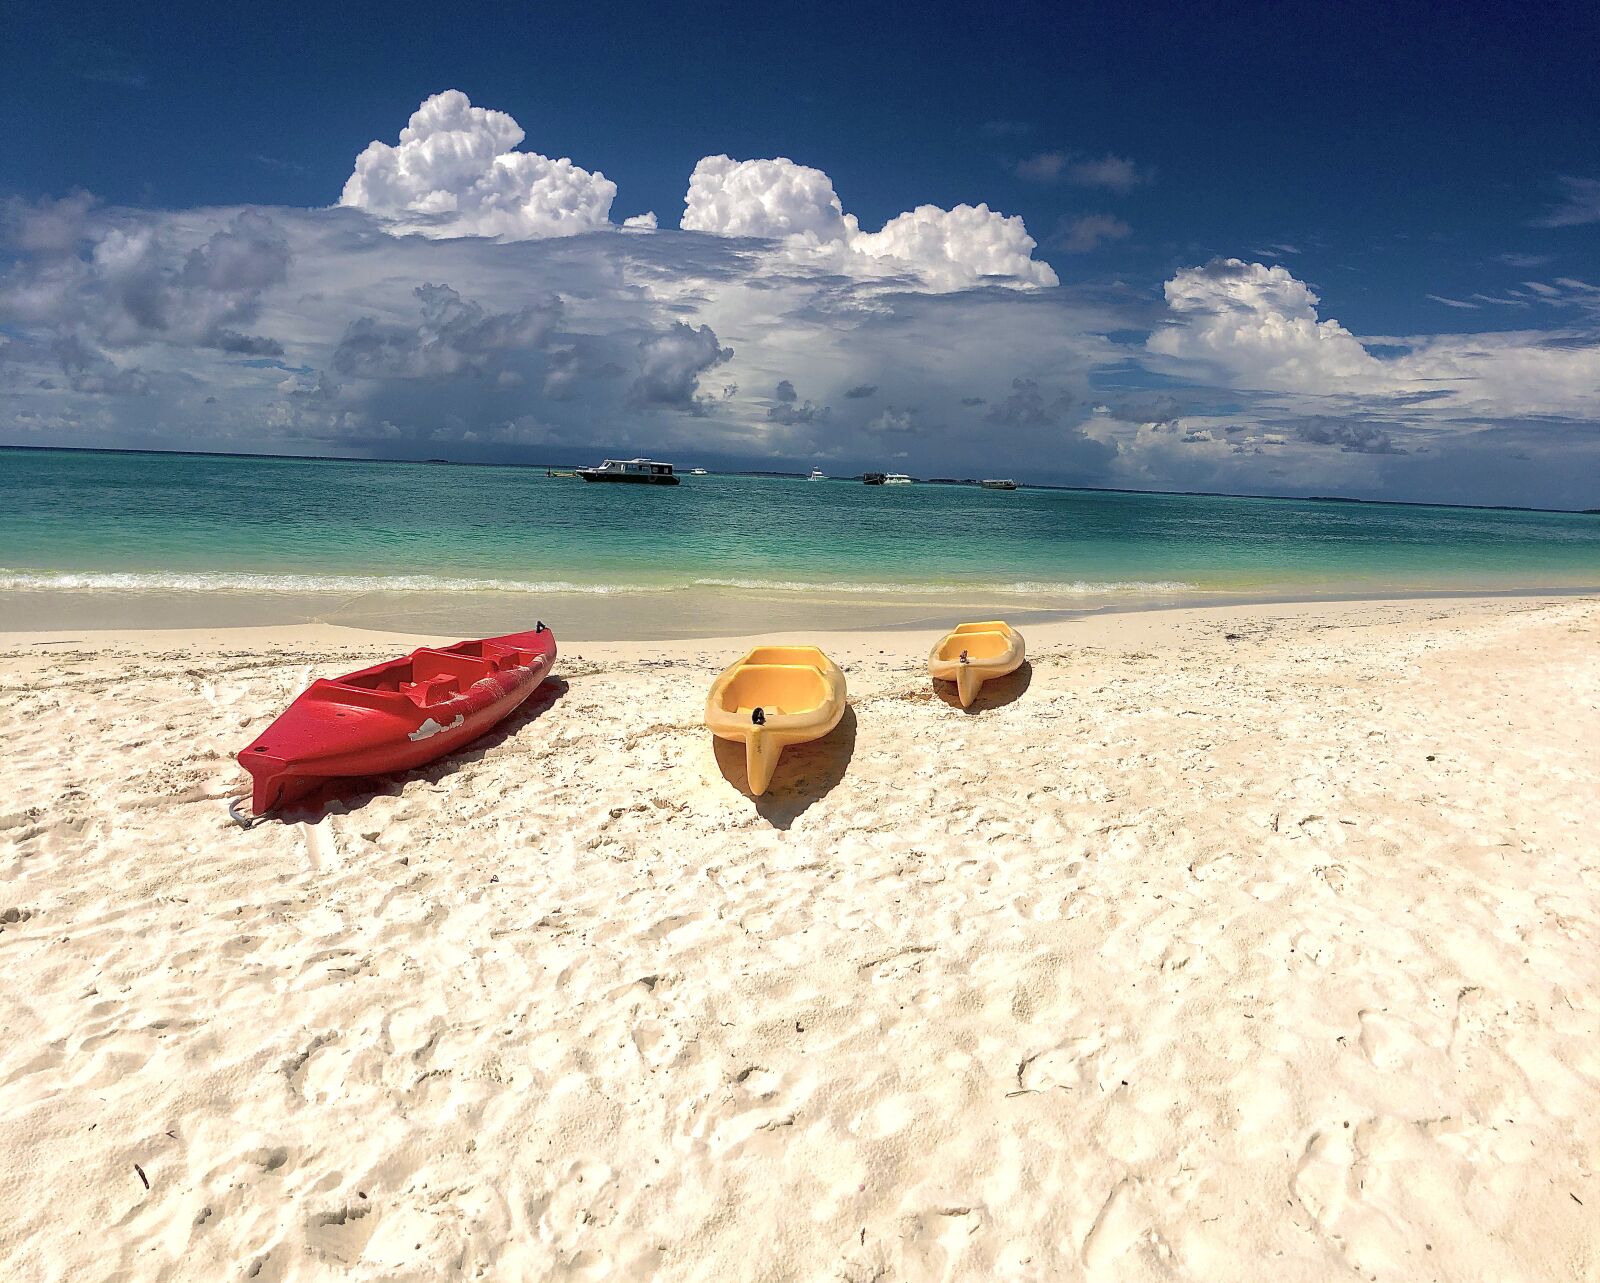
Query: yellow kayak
[[974, 654], [773, 697]]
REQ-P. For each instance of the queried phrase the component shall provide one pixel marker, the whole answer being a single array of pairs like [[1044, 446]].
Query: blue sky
[[1286, 249]]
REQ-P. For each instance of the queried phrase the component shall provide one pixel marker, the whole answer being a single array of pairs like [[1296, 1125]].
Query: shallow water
[[148, 524]]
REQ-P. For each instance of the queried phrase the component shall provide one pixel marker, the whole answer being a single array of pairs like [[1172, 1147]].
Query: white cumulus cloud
[[1260, 324], [941, 249], [771, 198], [457, 172], [960, 247]]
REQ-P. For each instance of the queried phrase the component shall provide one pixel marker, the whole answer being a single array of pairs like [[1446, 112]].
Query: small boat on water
[[817, 474], [560, 472], [897, 479], [774, 697], [697, 472], [975, 653], [394, 716], [1004, 483], [637, 471], [873, 478]]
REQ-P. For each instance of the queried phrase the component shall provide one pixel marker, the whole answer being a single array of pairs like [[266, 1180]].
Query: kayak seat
[[977, 645], [785, 688], [501, 657], [426, 664], [433, 691]]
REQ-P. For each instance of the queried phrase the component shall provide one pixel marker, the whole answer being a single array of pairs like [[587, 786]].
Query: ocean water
[[150, 523]]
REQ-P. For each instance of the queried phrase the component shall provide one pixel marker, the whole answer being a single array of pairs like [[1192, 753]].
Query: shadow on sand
[[353, 793], [806, 773], [996, 694]]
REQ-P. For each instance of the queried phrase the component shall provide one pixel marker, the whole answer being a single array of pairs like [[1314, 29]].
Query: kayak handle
[[243, 821], [759, 716], [964, 658], [539, 627]]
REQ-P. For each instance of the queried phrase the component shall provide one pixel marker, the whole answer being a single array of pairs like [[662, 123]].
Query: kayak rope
[[243, 821]]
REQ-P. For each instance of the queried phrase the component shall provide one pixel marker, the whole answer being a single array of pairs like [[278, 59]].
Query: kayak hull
[[798, 692], [395, 716], [972, 654]]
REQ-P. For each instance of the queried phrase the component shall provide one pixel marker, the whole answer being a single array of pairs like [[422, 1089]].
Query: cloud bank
[[471, 299]]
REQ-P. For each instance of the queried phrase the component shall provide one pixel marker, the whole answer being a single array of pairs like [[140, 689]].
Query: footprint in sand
[[1066, 1066], [1384, 1041], [759, 1104], [1322, 1180], [885, 1117], [1123, 1229], [583, 1198], [340, 1233], [1372, 1186], [940, 1242]]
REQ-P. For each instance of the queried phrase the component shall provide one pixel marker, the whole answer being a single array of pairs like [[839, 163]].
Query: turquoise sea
[[161, 523]]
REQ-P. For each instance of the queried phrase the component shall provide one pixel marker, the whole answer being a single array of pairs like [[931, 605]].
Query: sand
[[1218, 944]]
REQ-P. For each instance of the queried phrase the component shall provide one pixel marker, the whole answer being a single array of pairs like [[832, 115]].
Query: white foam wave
[[1074, 588], [244, 582]]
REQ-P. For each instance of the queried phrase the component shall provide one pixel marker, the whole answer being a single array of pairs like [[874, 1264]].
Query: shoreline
[[674, 615]]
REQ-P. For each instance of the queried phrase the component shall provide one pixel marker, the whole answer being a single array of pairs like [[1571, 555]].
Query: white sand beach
[[1255, 942]]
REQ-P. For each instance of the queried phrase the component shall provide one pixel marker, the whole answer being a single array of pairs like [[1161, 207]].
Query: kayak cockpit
[[974, 646], [428, 676], [784, 689]]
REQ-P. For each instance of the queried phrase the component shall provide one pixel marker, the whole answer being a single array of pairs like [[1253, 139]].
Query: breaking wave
[[245, 582]]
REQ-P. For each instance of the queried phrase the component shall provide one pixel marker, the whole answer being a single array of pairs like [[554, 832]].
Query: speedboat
[[998, 483], [697, 472], [817, 474], [638, 471], [897, 479], [774, 697]]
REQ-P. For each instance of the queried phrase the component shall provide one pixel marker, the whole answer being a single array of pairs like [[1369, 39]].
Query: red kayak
[[395, 716]]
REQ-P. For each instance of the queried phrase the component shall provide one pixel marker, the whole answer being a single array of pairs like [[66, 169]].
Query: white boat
[[697, 472], [638, 471], [897, 479], [998, 483], [817, 474]]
